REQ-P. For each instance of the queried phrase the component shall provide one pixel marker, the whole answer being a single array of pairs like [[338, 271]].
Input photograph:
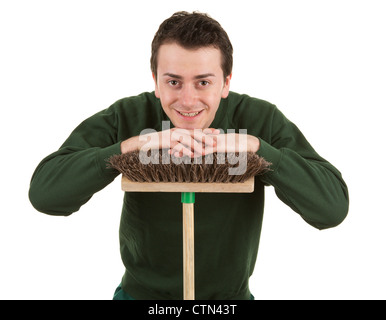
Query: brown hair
[[192, 31]]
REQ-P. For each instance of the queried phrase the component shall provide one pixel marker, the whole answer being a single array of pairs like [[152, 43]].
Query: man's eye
[[204, 83], [173, 83]]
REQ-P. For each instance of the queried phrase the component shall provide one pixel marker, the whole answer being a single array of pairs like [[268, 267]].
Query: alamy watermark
[[232, 146]]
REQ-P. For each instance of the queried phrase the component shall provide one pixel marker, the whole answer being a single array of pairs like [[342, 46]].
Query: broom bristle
[[159, 166]]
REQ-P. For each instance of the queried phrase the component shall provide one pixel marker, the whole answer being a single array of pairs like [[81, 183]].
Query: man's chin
[[188, 126]]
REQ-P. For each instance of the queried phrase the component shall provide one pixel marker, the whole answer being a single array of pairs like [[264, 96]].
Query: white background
[[321, 62]]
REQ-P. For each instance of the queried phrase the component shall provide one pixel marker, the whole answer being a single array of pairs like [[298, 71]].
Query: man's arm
[[302, 179], [68, 178]]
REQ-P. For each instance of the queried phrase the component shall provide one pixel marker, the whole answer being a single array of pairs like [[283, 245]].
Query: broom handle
[[187, 199]]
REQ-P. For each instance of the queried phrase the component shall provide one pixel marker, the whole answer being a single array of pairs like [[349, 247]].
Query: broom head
[[159, 167]]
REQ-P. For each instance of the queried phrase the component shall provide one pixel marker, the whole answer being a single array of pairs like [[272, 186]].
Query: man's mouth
[[189, 114]]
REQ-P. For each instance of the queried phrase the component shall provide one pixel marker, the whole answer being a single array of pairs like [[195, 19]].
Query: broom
[[157, 171]]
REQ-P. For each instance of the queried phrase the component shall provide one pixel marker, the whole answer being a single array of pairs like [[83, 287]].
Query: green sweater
[[227, 226]]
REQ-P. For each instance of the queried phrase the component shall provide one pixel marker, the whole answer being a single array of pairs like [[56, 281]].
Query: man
[[191, 64]]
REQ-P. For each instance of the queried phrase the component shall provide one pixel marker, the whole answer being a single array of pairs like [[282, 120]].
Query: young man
[[191, 63]]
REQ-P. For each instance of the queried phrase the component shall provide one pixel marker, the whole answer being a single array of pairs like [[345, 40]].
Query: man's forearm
[[311, 187], [67, 179]]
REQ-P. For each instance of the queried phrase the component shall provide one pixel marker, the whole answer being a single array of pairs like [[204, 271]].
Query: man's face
[[190, 84]]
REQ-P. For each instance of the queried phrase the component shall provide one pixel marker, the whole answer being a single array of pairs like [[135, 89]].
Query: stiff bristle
[[159, 166]]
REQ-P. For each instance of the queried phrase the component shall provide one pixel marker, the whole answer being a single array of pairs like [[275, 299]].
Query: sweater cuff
[[103, 156], [270, 154]]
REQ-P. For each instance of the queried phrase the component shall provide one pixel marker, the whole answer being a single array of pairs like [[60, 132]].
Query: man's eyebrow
[[205, 75], [200, 76], [172, 75]]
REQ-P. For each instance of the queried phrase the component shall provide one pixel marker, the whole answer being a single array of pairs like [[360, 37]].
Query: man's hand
[[192, 143], [235, 142], [179, 141]]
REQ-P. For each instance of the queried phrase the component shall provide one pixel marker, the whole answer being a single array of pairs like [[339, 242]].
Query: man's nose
[[188, 96]]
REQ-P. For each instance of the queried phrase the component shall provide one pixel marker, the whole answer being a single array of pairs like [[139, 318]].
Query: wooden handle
[[188, 250]]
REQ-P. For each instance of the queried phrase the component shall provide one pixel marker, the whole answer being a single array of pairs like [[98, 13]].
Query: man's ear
[[225, 89], [156, 85]]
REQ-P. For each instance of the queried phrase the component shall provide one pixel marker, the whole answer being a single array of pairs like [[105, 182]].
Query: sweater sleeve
[[68, 178], [302, 179]]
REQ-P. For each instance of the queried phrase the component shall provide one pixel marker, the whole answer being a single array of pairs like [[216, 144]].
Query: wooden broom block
[[218, 187]]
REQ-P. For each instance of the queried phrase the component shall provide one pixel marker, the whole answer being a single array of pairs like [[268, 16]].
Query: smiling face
[[190, 84]]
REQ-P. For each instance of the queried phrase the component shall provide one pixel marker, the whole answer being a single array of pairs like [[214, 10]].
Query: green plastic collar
[[187, 197]]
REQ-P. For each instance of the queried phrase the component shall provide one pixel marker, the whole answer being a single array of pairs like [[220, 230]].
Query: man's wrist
[[129, 145], [253, 144]]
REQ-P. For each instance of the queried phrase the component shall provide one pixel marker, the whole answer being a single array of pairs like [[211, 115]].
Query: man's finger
[[211, 131], [180, 150], [188, 141]]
